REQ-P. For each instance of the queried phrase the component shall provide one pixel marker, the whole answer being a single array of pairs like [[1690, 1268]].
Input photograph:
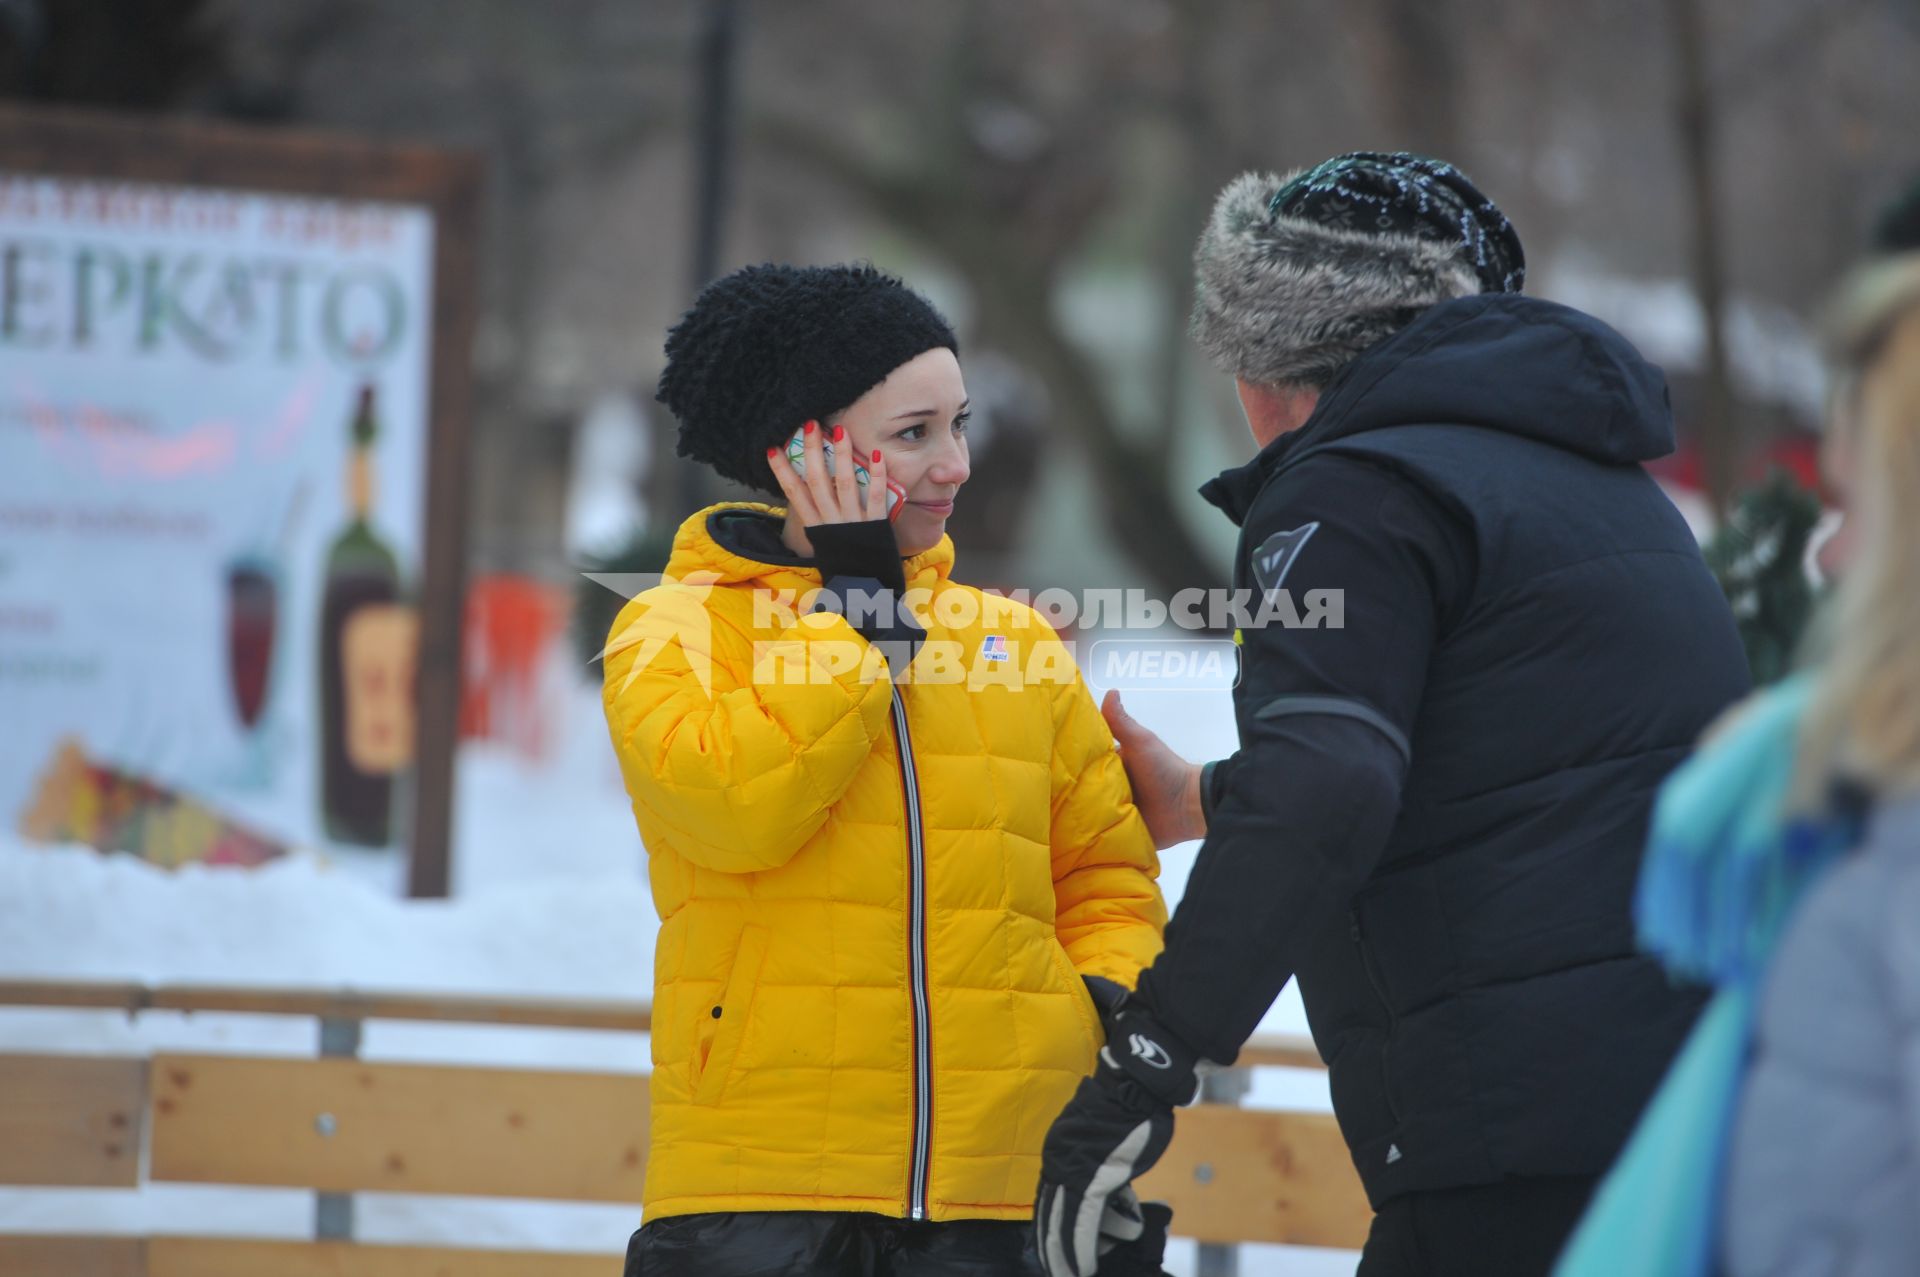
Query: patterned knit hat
[[1295, 276]]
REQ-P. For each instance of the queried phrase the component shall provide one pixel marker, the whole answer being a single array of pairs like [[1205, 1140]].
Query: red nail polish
[[876, 456], [810, 426], [772, 453], [839, 434]]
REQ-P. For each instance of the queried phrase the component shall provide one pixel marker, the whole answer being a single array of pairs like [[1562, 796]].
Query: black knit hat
[[770, 347]]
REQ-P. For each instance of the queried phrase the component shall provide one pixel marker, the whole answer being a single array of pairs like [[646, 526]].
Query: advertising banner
[[217, 422]]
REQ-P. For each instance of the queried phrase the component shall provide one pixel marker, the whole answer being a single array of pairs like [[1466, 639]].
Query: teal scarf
[[1725, 864]]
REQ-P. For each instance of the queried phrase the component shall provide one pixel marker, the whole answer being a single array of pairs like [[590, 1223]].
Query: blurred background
[[1697, 172]]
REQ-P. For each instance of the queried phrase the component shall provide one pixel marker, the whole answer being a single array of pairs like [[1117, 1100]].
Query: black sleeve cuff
[[862, 578], [1107, 995], [863, 549], [1213, 785]]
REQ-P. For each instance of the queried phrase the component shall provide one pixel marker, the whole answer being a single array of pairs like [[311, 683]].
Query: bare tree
[[1413, 64], [1701, 100], [1695, 121]]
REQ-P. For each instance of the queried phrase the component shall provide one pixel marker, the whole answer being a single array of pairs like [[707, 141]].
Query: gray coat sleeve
[[1822, 1177]]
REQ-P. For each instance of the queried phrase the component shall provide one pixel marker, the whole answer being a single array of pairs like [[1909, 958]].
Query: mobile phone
[[797, 454]]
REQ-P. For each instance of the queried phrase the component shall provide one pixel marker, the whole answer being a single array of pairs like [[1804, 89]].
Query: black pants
[[830, 1244], [1511, 1229]]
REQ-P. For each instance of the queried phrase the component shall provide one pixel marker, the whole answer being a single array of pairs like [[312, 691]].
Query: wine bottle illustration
[[366, 661]]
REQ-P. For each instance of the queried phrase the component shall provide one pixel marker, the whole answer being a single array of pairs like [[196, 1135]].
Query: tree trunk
[[1695, 122], [1410, 49]]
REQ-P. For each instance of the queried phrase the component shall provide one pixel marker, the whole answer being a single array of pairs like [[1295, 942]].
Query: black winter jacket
[[1436, 816]]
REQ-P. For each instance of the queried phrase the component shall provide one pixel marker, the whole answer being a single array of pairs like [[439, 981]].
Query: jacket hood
[[696, 550], [1500, 361]]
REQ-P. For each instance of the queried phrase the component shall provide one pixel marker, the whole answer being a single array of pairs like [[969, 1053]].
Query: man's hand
[[1114, 1129], [1166, 787]]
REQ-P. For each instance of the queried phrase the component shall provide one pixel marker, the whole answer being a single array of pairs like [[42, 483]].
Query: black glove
[[1114, 1129], [1107, 996], [1141, 1047], [1142, 1256]]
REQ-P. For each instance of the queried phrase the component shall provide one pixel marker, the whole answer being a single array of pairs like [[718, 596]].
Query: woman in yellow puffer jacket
[[889, 838]]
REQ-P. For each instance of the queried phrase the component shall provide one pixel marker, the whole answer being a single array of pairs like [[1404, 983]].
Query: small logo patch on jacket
[[994, 647], [1274, 557]]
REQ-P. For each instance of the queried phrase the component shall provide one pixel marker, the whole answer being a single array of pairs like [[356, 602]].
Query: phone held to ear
[[797, 454]]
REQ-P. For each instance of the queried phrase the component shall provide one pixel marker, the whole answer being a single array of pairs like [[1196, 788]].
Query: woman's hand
[[816, 497]]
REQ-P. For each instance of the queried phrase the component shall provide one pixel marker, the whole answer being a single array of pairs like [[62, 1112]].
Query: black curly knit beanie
[[770, 347]]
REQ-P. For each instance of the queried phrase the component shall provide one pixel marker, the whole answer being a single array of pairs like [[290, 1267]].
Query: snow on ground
[[551, 900]]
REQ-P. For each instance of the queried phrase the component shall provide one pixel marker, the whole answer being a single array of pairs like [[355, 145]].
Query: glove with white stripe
[[1114, 1129]]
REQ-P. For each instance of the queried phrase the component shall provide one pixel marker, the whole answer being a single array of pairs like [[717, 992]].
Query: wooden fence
[[341, 1125]]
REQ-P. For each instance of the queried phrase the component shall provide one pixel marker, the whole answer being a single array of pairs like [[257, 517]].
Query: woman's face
[[917, 420]]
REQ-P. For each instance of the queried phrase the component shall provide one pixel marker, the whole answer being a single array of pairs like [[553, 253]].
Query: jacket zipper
[[1393, 1021], [917, 971]]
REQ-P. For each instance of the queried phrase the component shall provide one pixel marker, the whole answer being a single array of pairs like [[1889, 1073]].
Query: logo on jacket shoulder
[[674, 623], [994, 647], [1274, 557], [1150, 1053]]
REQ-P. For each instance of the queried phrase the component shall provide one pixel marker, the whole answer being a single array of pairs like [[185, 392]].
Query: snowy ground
[[550, 900]]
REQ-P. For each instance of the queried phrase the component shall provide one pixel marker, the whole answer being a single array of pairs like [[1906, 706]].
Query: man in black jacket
[[1436, 813]]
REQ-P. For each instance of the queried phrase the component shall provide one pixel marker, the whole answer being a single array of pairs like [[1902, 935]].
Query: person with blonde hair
[[1784, 869], [1824, 1166]]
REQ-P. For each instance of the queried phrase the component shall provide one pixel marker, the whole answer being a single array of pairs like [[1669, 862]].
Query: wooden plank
[[1274, 1050], [34, 1256], [352, 1004], [109, 995], [1246, 1175], [345, 1126], [1280, 1051], [71, 1121], [227, 1257]]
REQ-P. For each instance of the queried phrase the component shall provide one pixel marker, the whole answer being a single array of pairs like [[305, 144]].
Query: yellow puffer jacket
[[875, 912]]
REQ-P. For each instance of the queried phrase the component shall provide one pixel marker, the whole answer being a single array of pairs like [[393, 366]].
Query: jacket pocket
[[717, 1040], [1081, 999], [1378, 985]]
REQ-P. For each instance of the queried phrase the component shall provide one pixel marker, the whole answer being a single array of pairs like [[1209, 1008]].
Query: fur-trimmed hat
[[1295, 276], [770, 347]]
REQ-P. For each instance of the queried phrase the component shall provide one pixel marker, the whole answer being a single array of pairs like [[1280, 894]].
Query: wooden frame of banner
[[178, 152]]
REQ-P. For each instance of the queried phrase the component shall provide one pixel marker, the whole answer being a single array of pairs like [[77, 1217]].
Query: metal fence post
[[333, 1212], [1226, 1086]]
